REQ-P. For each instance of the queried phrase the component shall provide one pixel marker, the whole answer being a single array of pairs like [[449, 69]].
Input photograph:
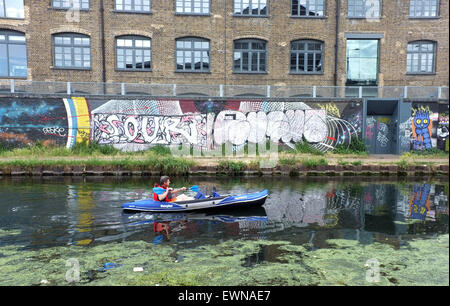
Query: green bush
[[90, 148], [304, 147], [231, 167], [314, 162], [356, 146]]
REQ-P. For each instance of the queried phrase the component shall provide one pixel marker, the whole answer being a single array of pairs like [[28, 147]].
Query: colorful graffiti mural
[[138, 124], [443, 129], [421, 128], [24, 122], [212, 123]]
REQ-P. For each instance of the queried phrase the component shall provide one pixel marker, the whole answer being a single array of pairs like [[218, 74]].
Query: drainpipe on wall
[[225, 44], [102, 33], [336, 44]]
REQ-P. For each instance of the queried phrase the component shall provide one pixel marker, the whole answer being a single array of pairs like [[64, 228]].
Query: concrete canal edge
[[286, 170]]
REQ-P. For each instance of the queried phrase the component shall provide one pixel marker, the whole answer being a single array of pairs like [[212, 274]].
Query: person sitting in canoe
[[168, 194]]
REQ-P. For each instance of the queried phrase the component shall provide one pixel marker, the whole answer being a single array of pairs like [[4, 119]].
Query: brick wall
[[163, 26]]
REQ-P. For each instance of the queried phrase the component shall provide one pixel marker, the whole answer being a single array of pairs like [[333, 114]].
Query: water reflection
[[87, 211]]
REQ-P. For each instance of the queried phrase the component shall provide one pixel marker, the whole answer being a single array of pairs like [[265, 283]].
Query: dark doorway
[[381, 126]]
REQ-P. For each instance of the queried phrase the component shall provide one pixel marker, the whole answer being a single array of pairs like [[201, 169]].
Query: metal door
[[380, 134]]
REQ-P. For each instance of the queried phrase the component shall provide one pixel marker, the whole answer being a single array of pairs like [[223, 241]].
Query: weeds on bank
[[231, 167], [304, 147], [356, 146], [434, 152], [314, 162]]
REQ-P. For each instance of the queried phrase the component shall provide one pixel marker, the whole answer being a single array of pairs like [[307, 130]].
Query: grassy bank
[[160, 159]]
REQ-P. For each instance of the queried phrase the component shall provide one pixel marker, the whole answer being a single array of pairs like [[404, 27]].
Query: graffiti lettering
[[58, 131], [117, 129]]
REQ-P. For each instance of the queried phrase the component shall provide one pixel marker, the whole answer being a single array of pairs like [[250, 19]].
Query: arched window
[[134, 53], [420, 57], [250, 56], [13, 54], [11, 9], [192, 54], [306, 56], [72, 50]]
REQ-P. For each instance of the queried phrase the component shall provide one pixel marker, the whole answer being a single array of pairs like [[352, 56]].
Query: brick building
[[265, 42]]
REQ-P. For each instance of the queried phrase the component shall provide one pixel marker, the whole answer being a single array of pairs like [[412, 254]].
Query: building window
[[306, 56], [420, 57], [308, 8], [72, 51], [362, 62], [423, 8], [11, 9], [133, 6], [68, 4], [13, 54], [250, 56], [192, 55], [134, 53], [364, 8], [250, 7], [192, 6]]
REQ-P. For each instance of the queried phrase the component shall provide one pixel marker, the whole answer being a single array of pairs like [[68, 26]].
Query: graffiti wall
[[136, 124], [62, 122], [443, 128]]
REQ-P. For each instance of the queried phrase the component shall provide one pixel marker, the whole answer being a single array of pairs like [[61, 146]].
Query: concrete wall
[[138, 124]]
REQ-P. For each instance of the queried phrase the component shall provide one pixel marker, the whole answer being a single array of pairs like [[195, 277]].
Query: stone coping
[[294, 170]]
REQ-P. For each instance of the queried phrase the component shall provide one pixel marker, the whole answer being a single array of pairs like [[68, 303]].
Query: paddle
[[159, 190]]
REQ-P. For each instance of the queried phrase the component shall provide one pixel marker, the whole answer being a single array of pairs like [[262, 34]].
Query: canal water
[[310, 231]]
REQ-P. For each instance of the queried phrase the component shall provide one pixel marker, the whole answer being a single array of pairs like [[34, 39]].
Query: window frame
[[193, 39], [70, 7], [192, 7], [421, 53], [250, 4], [7, 42], [425, 17], [250, 52], [380, 2], [133, 48], [306, 51], [132, 11], [4, 11], [324, 4], [72, 46], [377, 62]]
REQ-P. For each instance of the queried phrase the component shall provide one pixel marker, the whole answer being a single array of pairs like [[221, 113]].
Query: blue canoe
[[207, 203]]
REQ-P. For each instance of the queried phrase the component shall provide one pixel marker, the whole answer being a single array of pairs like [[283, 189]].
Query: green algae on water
[[231, 262]]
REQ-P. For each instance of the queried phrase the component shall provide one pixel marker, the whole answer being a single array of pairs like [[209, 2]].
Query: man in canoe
[[169, 194]]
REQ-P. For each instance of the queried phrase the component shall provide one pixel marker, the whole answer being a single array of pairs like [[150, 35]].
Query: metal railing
[[13, 86]]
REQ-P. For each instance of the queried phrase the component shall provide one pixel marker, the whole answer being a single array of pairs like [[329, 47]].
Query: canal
[[310, 231]]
